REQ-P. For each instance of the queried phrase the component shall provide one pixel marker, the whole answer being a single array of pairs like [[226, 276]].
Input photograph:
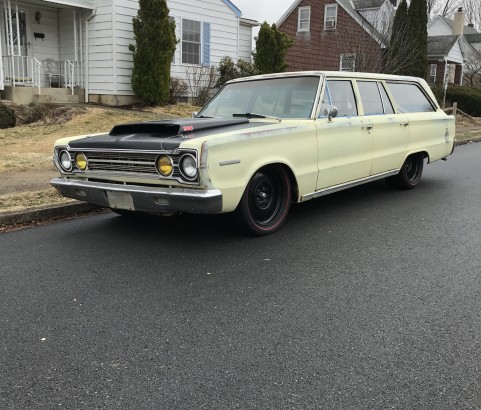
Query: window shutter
[[206, 45]]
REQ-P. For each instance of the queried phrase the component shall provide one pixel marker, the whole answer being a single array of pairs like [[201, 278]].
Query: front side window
[[190, 42], [304, 19], [340, 94], [409, 98], [348, 62], [330, 16]]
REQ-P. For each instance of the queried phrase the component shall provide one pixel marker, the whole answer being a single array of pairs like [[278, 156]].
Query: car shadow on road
[[359, 201]]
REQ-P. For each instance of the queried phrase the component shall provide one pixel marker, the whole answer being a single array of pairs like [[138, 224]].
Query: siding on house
[[439, 28], [456, 54], [110, 33], [224, 30], [101, 48], [245, 43]]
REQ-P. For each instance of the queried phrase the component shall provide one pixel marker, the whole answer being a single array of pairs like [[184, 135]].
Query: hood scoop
[[170, 128]]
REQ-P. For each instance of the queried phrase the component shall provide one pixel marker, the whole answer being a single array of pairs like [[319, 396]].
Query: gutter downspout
[[238, 37], [87, 51], [445, 80]]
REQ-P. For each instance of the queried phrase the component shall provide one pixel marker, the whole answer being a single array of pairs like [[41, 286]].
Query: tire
[[410, 173], [266, 200]]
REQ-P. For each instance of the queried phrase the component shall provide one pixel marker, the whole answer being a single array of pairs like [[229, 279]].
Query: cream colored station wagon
[[260, 144]]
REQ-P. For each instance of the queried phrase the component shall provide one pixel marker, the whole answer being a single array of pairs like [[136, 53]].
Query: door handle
[[404, 124]]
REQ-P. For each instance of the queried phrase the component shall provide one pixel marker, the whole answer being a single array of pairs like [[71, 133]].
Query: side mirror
[[194, 114], [331, 112]]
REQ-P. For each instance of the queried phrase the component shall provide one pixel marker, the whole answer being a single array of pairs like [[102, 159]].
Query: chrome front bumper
[[141, 198]]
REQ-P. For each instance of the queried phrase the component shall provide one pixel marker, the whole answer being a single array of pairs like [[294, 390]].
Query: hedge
[[468, 99]]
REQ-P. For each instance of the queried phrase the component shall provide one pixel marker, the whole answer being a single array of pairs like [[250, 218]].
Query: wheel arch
[[290, 174]]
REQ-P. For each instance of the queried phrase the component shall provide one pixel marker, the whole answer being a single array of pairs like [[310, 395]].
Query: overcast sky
[[263, 10]]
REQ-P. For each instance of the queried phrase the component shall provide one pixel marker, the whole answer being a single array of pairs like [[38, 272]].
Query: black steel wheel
[[266, 201], [410, 173]]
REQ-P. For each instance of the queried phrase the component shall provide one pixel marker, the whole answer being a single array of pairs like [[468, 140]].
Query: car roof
[[346, 74]]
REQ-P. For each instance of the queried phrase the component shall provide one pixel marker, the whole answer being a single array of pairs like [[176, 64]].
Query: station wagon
[[260, 144]]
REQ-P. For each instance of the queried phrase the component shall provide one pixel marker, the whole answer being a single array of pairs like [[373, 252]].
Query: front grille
[[130, 163], [119, 162]]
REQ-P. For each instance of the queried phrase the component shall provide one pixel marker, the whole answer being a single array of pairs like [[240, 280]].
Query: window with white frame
[[304, 18], [330, 16], [191, 35], [432, 72], [348, 62]]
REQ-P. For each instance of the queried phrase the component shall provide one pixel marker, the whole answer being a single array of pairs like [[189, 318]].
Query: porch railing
[[70, 71], [22, 71]]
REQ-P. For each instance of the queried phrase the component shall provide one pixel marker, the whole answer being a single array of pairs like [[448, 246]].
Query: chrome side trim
[[347, 185], [231, 162]]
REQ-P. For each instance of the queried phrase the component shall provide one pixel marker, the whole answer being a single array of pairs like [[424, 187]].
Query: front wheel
[[410, 173], [266, 200]]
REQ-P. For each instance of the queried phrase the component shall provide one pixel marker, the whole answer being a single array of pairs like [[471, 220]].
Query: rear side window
[[409, 98], [370, 97], [374, 98], [340, 94]]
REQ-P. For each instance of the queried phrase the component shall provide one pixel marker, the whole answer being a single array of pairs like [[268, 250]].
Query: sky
[[263, 10]]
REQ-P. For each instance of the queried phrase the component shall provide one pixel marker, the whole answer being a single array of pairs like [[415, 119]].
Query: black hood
[[164, 135]]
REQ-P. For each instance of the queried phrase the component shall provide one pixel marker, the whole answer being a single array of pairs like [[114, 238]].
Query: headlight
[[81, 161], [188, 166], [164, 165], [65, 160]]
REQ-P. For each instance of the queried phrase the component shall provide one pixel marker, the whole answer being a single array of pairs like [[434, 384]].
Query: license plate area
[[120, 200]]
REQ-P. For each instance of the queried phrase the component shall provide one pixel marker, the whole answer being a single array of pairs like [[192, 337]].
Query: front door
[[344, 143], [16, 43]]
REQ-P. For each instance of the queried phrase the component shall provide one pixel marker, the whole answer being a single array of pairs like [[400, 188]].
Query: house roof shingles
[[467, 29], [367, 4], [440, 45], [473, 38]]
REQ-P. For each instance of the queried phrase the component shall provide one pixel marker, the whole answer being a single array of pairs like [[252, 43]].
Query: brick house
[[452, 47], [337, 34]]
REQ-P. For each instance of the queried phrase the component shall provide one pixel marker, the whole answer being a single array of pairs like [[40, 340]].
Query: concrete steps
[[60, 95]]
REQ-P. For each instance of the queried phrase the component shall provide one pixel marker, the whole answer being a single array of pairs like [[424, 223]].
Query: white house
[[451, 44], [77, 50]]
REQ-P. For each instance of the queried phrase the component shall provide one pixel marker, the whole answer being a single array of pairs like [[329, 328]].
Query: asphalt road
[[366, 299]]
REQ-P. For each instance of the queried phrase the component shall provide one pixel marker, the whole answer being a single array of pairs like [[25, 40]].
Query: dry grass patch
[[31, 146], [18, 202]]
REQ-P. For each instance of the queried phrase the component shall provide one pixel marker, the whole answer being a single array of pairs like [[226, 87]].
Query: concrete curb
[[45, 212]]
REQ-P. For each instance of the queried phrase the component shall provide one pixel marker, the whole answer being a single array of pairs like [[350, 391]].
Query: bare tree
[[472, 70], [201, 82], [472, 8], [444, 8]]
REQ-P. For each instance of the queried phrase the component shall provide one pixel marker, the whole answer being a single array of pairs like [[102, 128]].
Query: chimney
[[458, 25]]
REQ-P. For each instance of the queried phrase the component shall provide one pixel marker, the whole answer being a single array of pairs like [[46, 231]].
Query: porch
[[26, 79], [42, 45]]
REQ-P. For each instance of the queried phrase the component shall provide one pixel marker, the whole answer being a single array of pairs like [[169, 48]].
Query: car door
[[344, 142], [390, 131]]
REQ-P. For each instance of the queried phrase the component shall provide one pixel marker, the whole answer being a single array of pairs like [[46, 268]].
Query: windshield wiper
[[254, 115]]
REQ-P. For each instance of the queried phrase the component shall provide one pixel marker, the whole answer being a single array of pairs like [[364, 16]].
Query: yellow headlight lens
[[81, 161], [164, 165]]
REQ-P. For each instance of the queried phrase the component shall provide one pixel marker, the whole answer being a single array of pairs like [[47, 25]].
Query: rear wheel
[[410, 173], [266, 201]]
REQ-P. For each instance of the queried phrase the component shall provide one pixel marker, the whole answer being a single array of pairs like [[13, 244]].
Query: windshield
[[288, 97]]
